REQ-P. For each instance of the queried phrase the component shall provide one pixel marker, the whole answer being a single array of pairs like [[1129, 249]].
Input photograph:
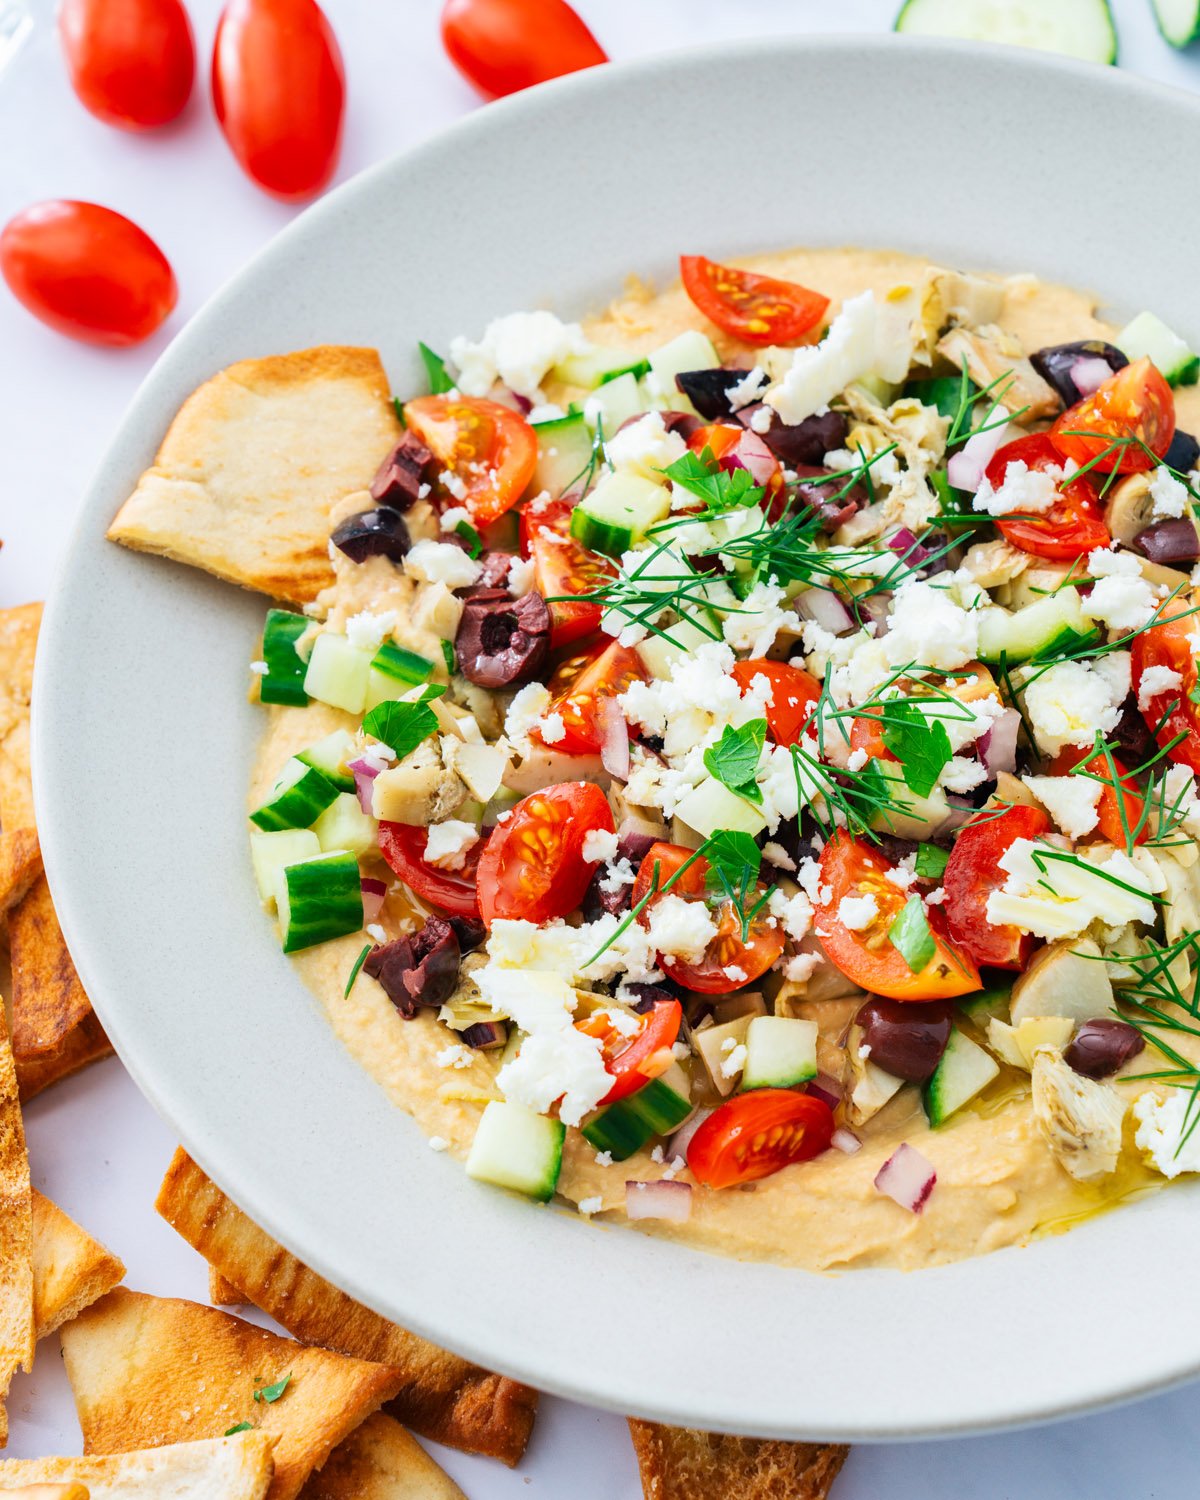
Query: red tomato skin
[[543, 837], [1109, 825], [659, 1032], [87, 271], [403, 845], [1072, 526], [752, 307], [279, 90], [131, 62], [503, 46], [563, 566], [971, 875], [1135, 401], [1172, 712], [468, 434], [756, 1134], [793, 693]]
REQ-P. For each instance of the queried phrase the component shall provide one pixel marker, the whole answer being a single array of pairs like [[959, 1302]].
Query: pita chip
[[222, 1293], [680, 1463], [380, 1461], [244, 481], [48, 1001], [20, 865], [70, 1269], [83, 1044], [444, 1398], [153, 1370], [18, 644], [225, 1468], [17, 1335]]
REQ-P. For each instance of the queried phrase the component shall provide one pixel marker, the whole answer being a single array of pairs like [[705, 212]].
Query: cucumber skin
[[1110, 57], [283, 681], [626, 1126], [1179, 43], [540, 1191], [342, 910]]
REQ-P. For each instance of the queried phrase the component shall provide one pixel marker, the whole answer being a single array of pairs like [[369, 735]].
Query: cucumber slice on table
[[298, 798], [331, 757], [619, 512], [514, 1148], [1178, 20], [564, 453], [964, 1070], [658, 1108], [1149, 335], [1080, 28], [1041, 629], [283, 681], [781, 1052], [318, 899]]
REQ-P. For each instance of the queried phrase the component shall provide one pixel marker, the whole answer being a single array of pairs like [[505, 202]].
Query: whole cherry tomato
[[502, 46], [130, 61], [88, 272], [279, 90]]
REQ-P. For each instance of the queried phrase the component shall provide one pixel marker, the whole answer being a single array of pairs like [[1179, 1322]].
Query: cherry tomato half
[[754, 1135], [502, 46], [1109, 824], [403, 846], [1073, 525], [578, 687], [561, 565], [491, 449], [1173, 711], [971, 875], [1136, 402], [279, 91], [88, 272], [533, 867], [130, 61], [793, 693], [635, 1058], [868, 955], [728, 445], [756, 309], [750, 957]]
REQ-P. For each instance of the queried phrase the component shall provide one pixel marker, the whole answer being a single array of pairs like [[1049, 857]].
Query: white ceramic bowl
[[143, 738]]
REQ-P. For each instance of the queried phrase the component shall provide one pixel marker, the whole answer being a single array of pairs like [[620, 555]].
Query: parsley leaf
[[358, 963], [911, 937], [931, 861], [720, 489], [239, 1427], [733, 760], [401, 725], [449, 657], [435, 368], [269, 1393], [918, 742], [733, 859], [472, 538]]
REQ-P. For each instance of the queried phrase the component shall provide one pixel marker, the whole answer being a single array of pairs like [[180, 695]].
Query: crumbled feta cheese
[[856, 760], [545, 411], [857, 912], [1024, 490], [520, 576], [441, 562], [454, 1056], [748, 389], [1072, 801], [616, 875], [375, 932], [936, 896], [552, 729], [518, 350], [604, 1158], [1121, 597], [366, 631], [259, 668], [809, 876], [453, 484], [800, 966], [525, 713], [1053, 895], [447, 843], [736, 973], [775, 854], [867, 337], [1162, 1123], [735, 1061], [600, 846], [926, 627], [438, 1143], [1169, 495], [1156, 680], [454, 516], [589, 1206], [681, 928], [753, 626], [961, 774], [656, 1155], [793, 913], [564, 1064], [903, 874], [645, 447], [1073, 701]]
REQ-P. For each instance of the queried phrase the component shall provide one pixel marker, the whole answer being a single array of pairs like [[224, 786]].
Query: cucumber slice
[[331, 756], [613, 404], [1178, 20], [1080, 28], [619, 512], [514, 1148], [601, 364], [564, 453], [271, 852], [300, 795], [711, 805], [283, 681], [658, 1108], [344, 825], [318, 899], [691, 350], [781, 1052], [1148, 335], [395, 670], [1036, 631], [985, 1006], [964, 1070], [337, 673], [660, 655]]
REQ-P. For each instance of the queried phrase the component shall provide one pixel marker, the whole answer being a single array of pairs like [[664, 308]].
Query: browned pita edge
[[225, 1468], [681, 1463], [20, 865], [152, 1370], [71, 1270], [252, 463], [48, 1001], [83, 1044], [380, 1461], [442, 1397], [18, 645], [17, 1335], [222, 1293]]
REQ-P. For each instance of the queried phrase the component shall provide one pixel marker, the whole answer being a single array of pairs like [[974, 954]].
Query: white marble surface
[[96, 1146]]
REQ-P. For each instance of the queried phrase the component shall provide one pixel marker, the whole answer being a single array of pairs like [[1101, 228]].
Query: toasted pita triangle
[[83, 1044], [70, 1269], [442, 1397], [16, 1235], [243, 483], [680, 1463], [18, 643], [48, 1001], [153, 1370], [229, 1468], [380, 1461], [20, 864], [222, 1293], [70, 1491]]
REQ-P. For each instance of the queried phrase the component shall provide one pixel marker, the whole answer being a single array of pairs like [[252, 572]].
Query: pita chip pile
[[680, 1463], [233, 1468]]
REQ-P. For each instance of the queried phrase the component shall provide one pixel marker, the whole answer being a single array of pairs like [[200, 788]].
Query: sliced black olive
[[485, 1035], [829, 498], [1132, 735], [1056, 364], [1101, 1047], [502, 641], [417, 970], [373, 533], [708, 390], [905, 1039], [647, 996], [1184, 453], [806, 442], [1168, 542], [403, 472]]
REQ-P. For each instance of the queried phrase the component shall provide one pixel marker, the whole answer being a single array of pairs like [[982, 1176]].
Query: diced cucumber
[[1042, 629], [514, 1148], [659, 655], [271, 852], [716, 1045], [781, 1052], [711, 805], [613, 404], [337, 672], [690, 350], [331, 756], [318, 899], [986, 1005], [300, 795], [344, 825], [619, 512], [943, 392], [1149, 336], [395, 670], [1178, 20], [658, 1108], [283, 681], [1080, 28], [600, 364], [564, 453], [964, 1070]]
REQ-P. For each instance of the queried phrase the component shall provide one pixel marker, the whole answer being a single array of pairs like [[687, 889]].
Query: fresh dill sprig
[[1158, 810], [969, 396]]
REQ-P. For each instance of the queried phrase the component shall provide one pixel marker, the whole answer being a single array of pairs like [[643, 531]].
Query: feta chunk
[[441, 562], [1072, 702], [1162, 1122], [1072, 801], [857, 912], [518, 350], [866, 338], [1023, 490], [1121, 598], [448, 843], [645, 447], [1169, 495], [927, 628], [1055, 896]]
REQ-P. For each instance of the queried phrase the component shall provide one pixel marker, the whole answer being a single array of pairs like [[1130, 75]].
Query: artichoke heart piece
[[1080, 1117], [989, 355]]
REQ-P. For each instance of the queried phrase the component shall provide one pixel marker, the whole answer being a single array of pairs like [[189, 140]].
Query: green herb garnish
[[435, 369], [449, 657], [401, 725], [733, 760], [720, 489], [269, 1393], [921, 746], [931, 862], [358, 963], [239, 1427], [911, 937], [472, 538]]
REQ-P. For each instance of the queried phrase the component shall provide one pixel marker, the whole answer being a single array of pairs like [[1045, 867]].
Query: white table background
[[96, 1146]]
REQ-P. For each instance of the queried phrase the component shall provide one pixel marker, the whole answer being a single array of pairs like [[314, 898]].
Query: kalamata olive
[[906, 1040], [496, 566], [1184, 453], [502, 641], [1100, 1047], [469, 931], [647, 996], [1132, 735], [1056, 365], [417, 970], [829, 498], [373, 533], [807, 442], [1168, 542], [484, 1035], [708, 390], [403, 472], [682, 423], [634, 847]]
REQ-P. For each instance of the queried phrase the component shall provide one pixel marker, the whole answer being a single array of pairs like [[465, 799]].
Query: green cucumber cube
[[781, 1052], [515, 1148], [337, 673]]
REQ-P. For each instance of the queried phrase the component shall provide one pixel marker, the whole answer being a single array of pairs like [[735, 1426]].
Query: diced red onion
[[753, 454], [959, 815], [614, 739], [824, 608], [658, 1200], [998, 743], [905, 545], [845, 1140], [907, 1178], [373, 893], [966, 467], [682, 1138], [827, 1089], [1090, 374], [364, 775]]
